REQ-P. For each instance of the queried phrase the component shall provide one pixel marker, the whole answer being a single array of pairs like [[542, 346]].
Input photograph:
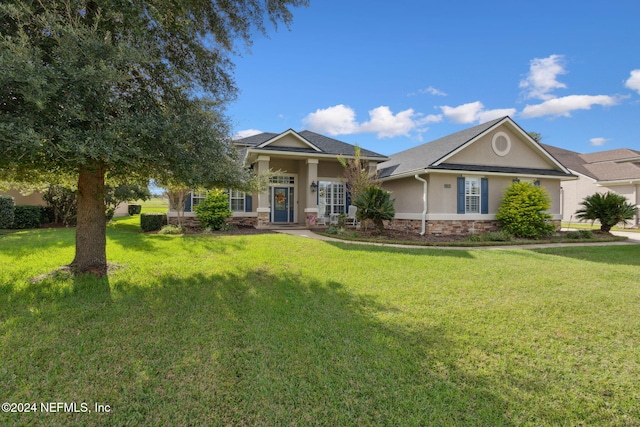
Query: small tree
[[376, 205], [522, 211], [114, 195], [608, 208], [356, 173], [213, 211]]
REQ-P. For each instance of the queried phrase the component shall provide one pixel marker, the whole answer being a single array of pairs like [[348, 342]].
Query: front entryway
[[282, 205]]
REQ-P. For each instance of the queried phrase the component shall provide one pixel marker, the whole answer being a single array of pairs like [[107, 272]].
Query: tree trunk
[[91, 231]]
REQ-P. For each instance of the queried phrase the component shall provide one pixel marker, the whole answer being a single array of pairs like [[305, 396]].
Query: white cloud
[[474, 112], [335, 120], [542, 77], [341, 120], [565, 105], [386, 124], [597, 142], [633, 82], [430, 90], [246, 133]]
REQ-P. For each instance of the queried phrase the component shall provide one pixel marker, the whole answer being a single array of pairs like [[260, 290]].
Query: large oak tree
[[121, 90]]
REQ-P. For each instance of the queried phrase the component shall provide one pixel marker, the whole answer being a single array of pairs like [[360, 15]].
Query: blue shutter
[[484, 195], [247, 202], [461, 195], [347, 197], [187, 203]]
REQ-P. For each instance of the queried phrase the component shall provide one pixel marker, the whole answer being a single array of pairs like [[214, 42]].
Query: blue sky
[[390, 76]]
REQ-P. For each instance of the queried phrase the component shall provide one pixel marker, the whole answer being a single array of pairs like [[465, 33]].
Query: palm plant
[[608, 208], [376, 205]]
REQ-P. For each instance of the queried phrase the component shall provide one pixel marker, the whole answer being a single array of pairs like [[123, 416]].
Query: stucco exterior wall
[[289, 141], [442, 194], [33, 199], [481, 152]]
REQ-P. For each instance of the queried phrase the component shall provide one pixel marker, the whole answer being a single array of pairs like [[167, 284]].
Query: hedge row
[[21, 217], [152, 221]]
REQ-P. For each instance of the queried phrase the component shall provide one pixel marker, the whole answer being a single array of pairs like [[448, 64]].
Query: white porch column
[[311, 208], [263, 210]]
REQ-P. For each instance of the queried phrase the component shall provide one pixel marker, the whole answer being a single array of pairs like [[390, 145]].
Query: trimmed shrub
[[134, 209], [47, 215], [152, 221], [27, 217], [522, 211], [6, 211], [213, 211]]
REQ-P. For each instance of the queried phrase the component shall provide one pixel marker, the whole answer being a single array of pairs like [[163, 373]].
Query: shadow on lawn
[[260, 348]]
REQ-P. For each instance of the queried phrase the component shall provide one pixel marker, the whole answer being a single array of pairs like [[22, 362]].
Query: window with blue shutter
[[473, 195], [187, 203], [461, 208], [484, 196], [248, 199]]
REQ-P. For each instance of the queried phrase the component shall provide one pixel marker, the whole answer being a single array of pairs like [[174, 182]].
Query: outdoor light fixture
[[314, 186]]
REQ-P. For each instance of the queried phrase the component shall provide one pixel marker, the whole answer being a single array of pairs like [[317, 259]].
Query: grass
[[590, 226], [155, 204], [278, 330]]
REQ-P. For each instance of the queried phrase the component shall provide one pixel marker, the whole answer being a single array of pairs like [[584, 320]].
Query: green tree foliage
[[63, 202], [356, 173], [213, 211], [608, 208], [375, 204], [114, 195], [96, 91], [522, 211]]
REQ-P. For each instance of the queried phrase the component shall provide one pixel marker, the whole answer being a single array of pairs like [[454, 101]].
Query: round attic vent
[[501, 144]]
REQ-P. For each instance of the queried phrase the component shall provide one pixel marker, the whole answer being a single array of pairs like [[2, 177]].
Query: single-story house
[[454, 185], [307, 185], [612, 170]]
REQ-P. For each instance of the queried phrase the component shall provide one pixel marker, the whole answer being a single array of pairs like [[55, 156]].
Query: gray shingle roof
[[425, 155], [325, 144], [602, 165]]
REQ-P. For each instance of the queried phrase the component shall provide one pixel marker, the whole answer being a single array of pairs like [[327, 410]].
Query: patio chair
[[351, 216]]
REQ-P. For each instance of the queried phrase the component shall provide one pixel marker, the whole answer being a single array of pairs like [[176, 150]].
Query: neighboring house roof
[[315, 144], [609, 165], [432, 154]]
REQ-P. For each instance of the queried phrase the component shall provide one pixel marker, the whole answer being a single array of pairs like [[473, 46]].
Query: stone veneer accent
[[449, 227], [262, 220]]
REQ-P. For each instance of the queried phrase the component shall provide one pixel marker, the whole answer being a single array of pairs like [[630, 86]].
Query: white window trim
[[468, 195]]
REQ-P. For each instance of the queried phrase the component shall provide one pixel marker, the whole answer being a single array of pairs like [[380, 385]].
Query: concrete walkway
[[634, 239]]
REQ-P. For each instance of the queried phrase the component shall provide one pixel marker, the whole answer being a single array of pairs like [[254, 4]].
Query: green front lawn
[[279, 330]]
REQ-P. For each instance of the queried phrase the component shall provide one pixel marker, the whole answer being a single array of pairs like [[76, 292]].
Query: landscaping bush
[[152, 221], [171, 229], [134, 209], [47, 215], [213, 211], [64, 204], [375, 204], [27, 217], [6, 212], [522, 211], [609, 208]]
